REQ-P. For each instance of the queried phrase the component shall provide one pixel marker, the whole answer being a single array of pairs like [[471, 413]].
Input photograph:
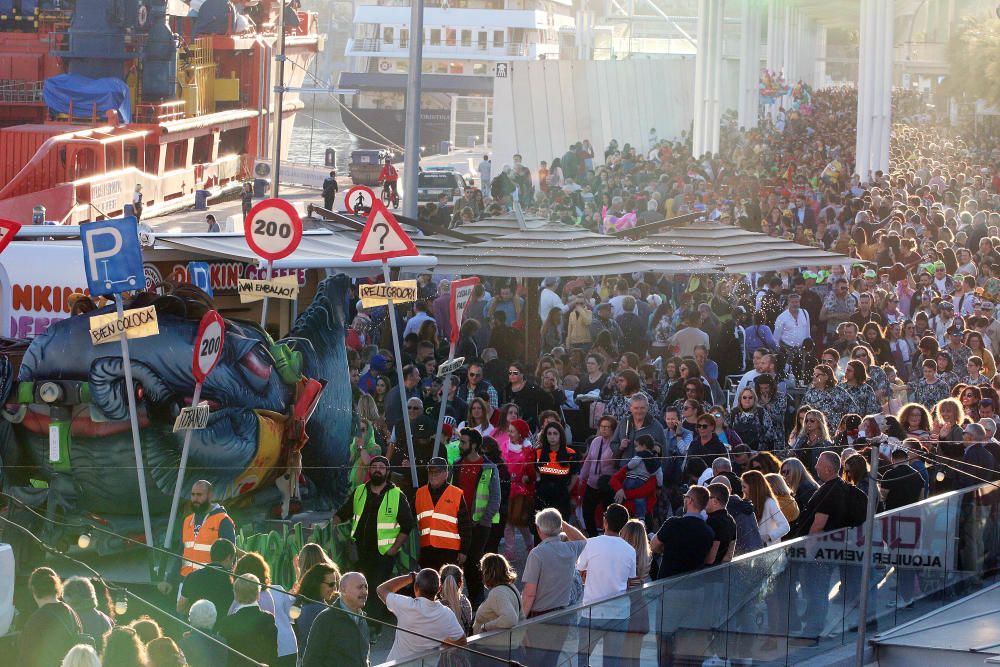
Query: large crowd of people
[[668, 423]]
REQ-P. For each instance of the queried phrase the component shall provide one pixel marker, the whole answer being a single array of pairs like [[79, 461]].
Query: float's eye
[[50, 392]]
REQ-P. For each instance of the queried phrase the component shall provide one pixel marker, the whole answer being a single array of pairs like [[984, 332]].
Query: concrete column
[[819, 55], [875, 79], [749, 95], [708, 77]]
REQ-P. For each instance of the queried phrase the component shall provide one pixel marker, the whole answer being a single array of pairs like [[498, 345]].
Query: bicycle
[[389, 195]]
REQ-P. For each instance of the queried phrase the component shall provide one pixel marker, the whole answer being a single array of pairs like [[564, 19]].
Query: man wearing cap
[[443, 518], [381, 522], [479, 480], [960, 352], [603, 321]]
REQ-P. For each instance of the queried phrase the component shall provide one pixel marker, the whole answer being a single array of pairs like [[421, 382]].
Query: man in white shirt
[[420, 315], [549, 299], [607, 563], [424, 623], [792, 326], [761, 364]]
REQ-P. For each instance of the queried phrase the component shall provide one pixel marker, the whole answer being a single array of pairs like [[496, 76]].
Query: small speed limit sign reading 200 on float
[[208, 345], [273, 229]]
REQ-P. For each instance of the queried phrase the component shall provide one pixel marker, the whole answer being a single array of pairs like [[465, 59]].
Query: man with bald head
[[339, 635], [207, 523]]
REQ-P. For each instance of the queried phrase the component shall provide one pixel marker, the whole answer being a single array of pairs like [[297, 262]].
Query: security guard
[[479, 480], [381, 521], [207, 523], [443, 519]]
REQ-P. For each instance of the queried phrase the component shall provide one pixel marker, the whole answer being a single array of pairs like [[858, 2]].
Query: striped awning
[[738, 250], [551, 249]]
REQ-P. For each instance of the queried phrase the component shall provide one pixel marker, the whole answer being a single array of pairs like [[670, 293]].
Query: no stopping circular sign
[[273, 229], [208, 345]]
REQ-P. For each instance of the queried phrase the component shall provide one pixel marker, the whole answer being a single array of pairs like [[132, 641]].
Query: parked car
[[434, 181]]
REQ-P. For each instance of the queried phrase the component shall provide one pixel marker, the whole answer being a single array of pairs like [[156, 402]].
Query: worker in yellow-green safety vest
[[381, 521], [479, 480]]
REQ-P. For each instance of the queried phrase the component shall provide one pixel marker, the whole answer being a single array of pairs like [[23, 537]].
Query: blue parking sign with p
[[200, 275], [112, 256]]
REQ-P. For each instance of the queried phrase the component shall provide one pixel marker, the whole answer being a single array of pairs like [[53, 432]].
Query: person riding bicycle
[[389, 176]]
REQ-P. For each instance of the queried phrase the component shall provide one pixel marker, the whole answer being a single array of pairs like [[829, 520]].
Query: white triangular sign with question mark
[[382, 237]]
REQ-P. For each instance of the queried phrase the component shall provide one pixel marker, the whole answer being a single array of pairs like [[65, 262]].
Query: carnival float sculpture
[[275, 406]]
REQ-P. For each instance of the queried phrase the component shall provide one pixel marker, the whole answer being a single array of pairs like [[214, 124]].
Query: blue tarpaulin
[[109, 94]]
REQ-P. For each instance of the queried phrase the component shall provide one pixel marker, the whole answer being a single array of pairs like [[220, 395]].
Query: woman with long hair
[[799, 480], [875, 339], [123, 648], [594, 377], [813, 440], [371, 429], [774, 405], [800, 416], [382, 387], [771, 522], [916, 421], [875, 376], [557, 471], [519, 457], [783, 495], [862, 397], [946, 367], [627, 384], [748, 418], [428, 331], [478, 417], [824, 394], [508, 412], [501, 610], [974, 340], [900, 351], [451, 595], [766, 462], [315, 592], [310, 554], [970, 398], [634, 532]]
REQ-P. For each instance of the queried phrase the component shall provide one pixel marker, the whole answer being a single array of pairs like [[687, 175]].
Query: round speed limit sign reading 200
[[273, 229], [208, 345]]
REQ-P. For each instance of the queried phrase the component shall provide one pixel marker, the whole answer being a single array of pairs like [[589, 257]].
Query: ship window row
[[432, 66], [482, 39]]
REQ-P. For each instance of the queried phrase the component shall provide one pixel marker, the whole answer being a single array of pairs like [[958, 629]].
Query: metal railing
[[16, 91], [780, 605]]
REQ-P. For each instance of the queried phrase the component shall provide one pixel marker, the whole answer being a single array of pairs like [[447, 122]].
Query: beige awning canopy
[[551, 249], [738, 250]]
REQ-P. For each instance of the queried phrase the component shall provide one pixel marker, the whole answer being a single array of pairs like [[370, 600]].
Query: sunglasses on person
[[513, 372], [704, 426], [413, 407], [474, 375]]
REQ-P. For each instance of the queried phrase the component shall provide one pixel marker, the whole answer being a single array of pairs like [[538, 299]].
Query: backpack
[[855, 506]]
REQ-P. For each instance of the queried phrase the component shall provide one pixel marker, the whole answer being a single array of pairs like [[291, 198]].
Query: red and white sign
[[208, 345], [461, 294], [273, 229], [383, 238], [359, 200], [8, 230]]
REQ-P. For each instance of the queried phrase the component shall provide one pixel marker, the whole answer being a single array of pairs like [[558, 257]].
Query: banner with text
[[919, 536], [286, 287], [136, 323], [401, 291]]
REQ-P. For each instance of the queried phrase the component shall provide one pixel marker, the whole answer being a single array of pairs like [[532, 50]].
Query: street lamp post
[[411, 141]]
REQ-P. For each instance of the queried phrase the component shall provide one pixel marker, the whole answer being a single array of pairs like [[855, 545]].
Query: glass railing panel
[[757, 619]]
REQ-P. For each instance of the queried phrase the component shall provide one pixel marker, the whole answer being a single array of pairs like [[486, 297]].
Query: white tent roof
[[553, 249], [318, 250], [738, 250]]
